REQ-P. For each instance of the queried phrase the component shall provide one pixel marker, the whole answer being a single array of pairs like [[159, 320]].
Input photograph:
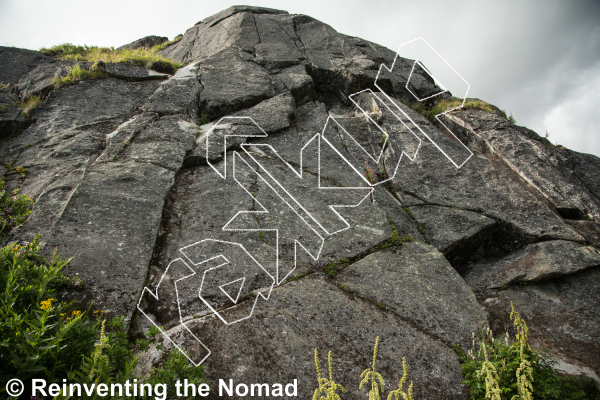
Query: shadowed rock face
[[135, 171]]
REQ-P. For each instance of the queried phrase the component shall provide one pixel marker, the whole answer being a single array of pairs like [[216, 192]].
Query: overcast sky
[[538, 59]]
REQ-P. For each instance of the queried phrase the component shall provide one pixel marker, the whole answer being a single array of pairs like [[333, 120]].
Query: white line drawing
[[300, 174], [239, 216], [209, 266], [390, 69], [213, 262], [239, 291], [222, 125], [387, 140], [155, 295]]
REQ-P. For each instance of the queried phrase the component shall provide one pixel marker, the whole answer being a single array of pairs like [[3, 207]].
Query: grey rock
[[63, 138], [416, 283], [112, 248], [232, 83], [15, 63], [122, 137], [202, 41], [124, 180], [39, 80], [131, 72], [164, 143], [272, 115], [299, 83], [148, 41], [590, 230], [278, 345], [452, 231], [563, 177], [178, 95], [562, 314], [536, 262], [485, 186], [220, 16], [12, 120]]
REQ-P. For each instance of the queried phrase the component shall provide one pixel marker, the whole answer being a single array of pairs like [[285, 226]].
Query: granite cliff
[[133, 175]]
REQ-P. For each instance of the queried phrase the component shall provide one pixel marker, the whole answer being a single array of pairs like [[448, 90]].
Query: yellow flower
[[46, 305]]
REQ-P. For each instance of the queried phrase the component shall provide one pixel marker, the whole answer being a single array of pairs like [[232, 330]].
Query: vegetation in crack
[[142, 57], [14, 209], [394, 240], [30, 104], [510, 117], [202, 120], [77, 74], [505, 369], [164, 45]]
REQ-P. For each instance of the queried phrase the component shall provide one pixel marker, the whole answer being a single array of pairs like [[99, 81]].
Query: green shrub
[[41, 336], [327, 387], [511, 119], [13, 209], [176, 367], [505, 369], [202, 120]]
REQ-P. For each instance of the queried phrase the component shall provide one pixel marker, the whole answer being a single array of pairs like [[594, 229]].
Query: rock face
[[244, 194], [148, 41]]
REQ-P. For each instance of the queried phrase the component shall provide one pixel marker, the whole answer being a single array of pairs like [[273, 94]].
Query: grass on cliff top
[[143, 57], [429, 109]]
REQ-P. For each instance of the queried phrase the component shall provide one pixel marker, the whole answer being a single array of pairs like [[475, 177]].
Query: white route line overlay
[[390, 69], [299, 174], [155, 295]]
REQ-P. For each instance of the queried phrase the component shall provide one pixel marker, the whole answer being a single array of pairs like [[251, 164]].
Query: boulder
[[561, 315], [148, 42], [536, 262], [416, 283]]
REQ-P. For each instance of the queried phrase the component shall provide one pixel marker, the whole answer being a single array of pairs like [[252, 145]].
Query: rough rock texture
[[413, 281], [251, 169], [148, 41], [536, 262]]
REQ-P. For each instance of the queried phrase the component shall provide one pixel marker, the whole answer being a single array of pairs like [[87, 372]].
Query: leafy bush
[[35, 327], [505, 369], [13, 209], [43, 337], [327, 387], [176, 367]]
